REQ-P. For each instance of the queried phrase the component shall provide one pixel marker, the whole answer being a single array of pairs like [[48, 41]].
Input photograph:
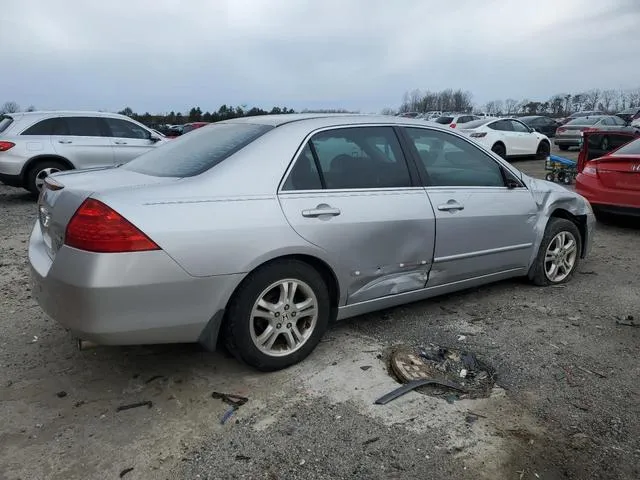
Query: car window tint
[[124, 129], [518, 127], [50, 126], [361, 157], [5, 121], [444, 120], [632, 148], [304, 174], [450, 161], [197, 152], [84, 126], [502, 125]]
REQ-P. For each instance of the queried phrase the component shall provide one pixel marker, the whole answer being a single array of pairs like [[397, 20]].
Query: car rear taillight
[[4, 146], [561, 129], [590, 169], [96, 227], [452, 125], [478, 134]]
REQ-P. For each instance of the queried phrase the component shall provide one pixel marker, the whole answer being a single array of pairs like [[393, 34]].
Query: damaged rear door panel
[[350, 193]]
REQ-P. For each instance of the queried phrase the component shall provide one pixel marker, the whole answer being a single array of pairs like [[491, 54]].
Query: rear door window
[[502, 125], [444, 120], [86, 127], [193, 154], [50, 126]]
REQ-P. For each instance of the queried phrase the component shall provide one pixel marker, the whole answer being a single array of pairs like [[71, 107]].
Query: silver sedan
[[261, 231]]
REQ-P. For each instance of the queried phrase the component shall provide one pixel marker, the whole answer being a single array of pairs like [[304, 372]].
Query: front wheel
[[559, 253], [40, 171], [544, 150], [278, 315]]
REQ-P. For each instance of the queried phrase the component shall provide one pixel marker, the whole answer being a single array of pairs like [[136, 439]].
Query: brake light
[[478, 134], [590, 169], [561, 129], [96, 227], [452, 125], [4, 146]]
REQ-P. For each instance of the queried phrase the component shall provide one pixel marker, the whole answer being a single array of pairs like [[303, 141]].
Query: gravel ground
[[566, 405]]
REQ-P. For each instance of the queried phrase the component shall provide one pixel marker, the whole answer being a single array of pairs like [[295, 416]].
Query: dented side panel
[[382, 239]]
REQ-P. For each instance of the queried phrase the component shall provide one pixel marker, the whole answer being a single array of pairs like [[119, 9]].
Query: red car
[[192, 126], [611, 180]]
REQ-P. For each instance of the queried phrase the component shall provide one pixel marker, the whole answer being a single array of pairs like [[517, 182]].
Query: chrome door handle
[[321, 210], [120, 143], [450, 205], [65, 141]]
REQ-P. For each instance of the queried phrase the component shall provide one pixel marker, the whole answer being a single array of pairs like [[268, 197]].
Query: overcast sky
[[162, 55]]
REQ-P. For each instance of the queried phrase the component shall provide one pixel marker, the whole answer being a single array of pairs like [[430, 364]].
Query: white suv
[[36, 144]]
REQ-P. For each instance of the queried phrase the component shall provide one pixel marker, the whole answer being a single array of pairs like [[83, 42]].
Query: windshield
[[477, 123], [196, 153], [584, 121], [5, 121], [631, 148], [444, 120]]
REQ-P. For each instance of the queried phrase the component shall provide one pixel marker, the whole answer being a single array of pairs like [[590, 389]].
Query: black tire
[[36, 172], [499, 149], [544, 150], [550, 177], [237, 325], [564, 148], [537, 273]]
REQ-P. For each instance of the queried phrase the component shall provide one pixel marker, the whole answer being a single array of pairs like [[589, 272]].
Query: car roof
[[319, 120], [66, 113]]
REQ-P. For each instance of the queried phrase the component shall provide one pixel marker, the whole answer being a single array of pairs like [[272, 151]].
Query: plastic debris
[[125, 471], [146, 403]]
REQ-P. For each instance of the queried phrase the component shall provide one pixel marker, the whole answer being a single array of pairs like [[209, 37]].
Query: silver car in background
[[263, 230], [570, 134], [36, 144]]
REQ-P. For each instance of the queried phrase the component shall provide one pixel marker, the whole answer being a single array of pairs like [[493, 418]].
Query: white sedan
[[508, 137]]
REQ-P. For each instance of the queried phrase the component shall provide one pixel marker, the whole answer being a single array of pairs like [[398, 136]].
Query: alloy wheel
[[560, 257], [42, 174]]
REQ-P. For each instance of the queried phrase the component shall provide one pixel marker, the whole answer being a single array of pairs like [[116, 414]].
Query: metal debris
[[406, 388]]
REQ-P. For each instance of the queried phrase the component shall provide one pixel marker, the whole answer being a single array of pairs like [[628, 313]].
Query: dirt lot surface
[[567, 404]]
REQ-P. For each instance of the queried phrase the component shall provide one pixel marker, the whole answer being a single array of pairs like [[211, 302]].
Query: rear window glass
[[444, 120], [197, 152], [631, 148], [5, 121], [49, 126], [477, 123], [584, 121]]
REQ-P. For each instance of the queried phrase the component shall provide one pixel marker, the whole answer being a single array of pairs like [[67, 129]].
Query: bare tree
[[387, 111], [490, 108], [510, 105], [10, 107], [591, 99], [634, 97]]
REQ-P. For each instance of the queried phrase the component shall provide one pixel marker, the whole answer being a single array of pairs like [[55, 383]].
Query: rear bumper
[[11, 180], [568, 142], [125, 298], [605, 198]]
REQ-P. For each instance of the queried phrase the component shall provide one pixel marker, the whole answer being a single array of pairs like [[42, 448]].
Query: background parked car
[[454, 121], [542, 124], [585, 113], [611, 181], [630, 114], [36, 144], [570, 134], [188, 127], [508, 137], [311, 236]]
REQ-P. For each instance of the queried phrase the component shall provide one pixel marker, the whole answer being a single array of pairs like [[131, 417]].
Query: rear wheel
[[559, 253], [544, 149], [564, 148], [278, 315], [40, 171], [499, 149]]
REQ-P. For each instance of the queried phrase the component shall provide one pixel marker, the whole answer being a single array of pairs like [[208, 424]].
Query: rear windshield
[[197, 152], [477, 123], [584, 121], [631, 148], [444, 120], [5, 121]]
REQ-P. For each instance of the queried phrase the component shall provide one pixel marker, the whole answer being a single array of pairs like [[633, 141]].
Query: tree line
[[562, 104]]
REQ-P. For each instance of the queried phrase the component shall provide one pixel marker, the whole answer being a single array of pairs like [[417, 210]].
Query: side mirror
[[154, 139], [531, 129]]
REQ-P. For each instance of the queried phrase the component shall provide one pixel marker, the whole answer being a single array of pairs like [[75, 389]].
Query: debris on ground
[[407, 387], [236, 401], [591, 372], [370, 441], [445, 369], [155, 377], [61, 394], [125, 471], [242, 458], [146, 403], [365, 367], [627, 321]]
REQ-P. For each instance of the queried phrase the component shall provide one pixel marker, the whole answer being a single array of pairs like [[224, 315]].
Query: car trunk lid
[[620, 172], [63, 193]]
